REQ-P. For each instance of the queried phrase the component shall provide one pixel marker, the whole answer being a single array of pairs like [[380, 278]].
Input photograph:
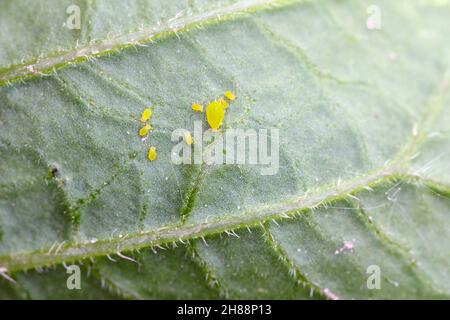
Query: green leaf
[[363, 179]]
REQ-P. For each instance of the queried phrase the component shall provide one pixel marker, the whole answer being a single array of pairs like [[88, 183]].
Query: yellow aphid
[[146, 115], [229, 95], [215, 112], [187, 137], [223, 102], [143, 132], [197, 107], [151, 155]]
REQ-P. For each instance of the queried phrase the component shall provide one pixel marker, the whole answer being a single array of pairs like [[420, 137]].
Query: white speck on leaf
[[329, 294], [347, 246]]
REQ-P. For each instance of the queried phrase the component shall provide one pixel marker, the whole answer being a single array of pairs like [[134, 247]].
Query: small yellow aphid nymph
[[223, 102], [215, 112], [187, 137], [151, 155], [197, 107], [143, 132], [229, 95], [146, 115]]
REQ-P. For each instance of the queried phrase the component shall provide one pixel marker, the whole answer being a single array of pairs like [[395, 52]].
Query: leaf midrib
[[184, 232]]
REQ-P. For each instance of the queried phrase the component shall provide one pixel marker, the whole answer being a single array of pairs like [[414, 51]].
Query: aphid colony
[[215, 112], [144, 131]]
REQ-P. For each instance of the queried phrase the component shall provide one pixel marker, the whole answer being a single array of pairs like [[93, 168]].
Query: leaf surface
[[363, 177]]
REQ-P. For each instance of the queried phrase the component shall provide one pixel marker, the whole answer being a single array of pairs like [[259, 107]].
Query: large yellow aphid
[[229, 95], [223, 102], [187, 137], [151, 155], [143, 132], [146, 115], [197, 107], [215, 112]]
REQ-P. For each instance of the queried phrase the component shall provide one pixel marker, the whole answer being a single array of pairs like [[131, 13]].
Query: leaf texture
[[364, 173]]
